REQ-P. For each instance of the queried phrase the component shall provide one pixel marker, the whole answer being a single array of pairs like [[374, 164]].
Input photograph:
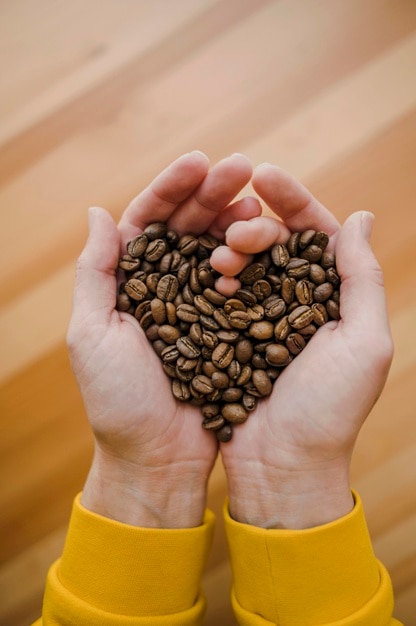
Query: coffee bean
[[312, 253], [306, 238], [170, 354], [244, 376], [277, 355], [213, 423], [186, 365], [128, 263], [295, 343], [300, 317], [244, 350], [229, 336], [234, 413], [274, 307], [332, 276], [262, 289], [202, 384], [123, 302], [317, 274], [194, 283], [297, 268], [239, 319], [256, 312], [180, 390], [224, 434], [323, 292], [206, 277], [210, 339], [222, 355], [249, 402], [221, 318], [251, 273], [234, 304], [262, 382], [155, 231], [320, 315], [220, 380], [167, 288], [187, 245], [155, 250], [261, 330], [288, 289], [234, 369], [332, 308], [280, 255], [293, 244], [282, 328], [232, 394], [327, 260], [187, 347], [214, 296], [136, 289], [303, 292], [246, 296], [169, 334], [187, 313], [203, 305]]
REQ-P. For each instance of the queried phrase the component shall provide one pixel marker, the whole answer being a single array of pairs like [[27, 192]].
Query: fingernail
[[367, 221]]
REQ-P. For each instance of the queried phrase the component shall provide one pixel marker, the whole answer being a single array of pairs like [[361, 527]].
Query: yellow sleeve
[[113, 574], [326, 576]]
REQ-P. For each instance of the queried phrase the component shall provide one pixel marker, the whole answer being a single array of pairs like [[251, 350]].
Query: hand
[[288, 465], [152, 458]]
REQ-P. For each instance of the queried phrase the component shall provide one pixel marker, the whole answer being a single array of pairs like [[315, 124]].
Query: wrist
[[148, 497], [271, 497]]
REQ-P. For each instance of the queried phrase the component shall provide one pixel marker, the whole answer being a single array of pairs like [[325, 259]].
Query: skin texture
[[288, 465]]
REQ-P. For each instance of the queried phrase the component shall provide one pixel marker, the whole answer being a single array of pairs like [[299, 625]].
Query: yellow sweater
[[113, 574]]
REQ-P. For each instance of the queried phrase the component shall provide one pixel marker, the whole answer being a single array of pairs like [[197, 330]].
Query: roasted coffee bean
[[274, 307], [311, 253], [262, 382], [251, 273], [214, 296], [202, 384], [186, 365], [239, 319], [209, 369], [222, 355], [188, 294], [246, 296], [244, 376], [234, 304], [155, 231], [169, 334], [183, 274], [171, 313], [262, 289], [136, 289], [293, 244], [229, 336], [142, 308], [327, 260], [234, 413], [209, 323], [282, 328], [210, 339], [280, 255], [203, 305], [332, 308], [287, 290], [261, 330], [210, 410], [234, 369], [256, 312], [306, 238], [187, 347], [167, 288], [187, 313], [275, 282], [195, 333], [295, 343], [220, 380], [321, 239], [323, 292], [152, 282], [137, 246], [258, 361], [303, 292], [307, 331], [155, 250], [244, 350], [159, 346], [194, 283], [277, 355], [332, 276], [123, 302], [249, 402], [187, 245], [317, 274], [170, 354], [208, 241], [128, 263], [320, 315], [169, 369], [180, 390], [297, 268], [224, 434], [232, 394], [300, 317], [206, 277], [221, 318], [213, 423]]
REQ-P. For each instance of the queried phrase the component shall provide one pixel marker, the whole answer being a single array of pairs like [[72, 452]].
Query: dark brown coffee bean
[[155, 250], [188, 294], [249, 402], [225, 433], [136, 289], [152, 281], [232, 394], [306, 238], [159, 346], [244, 376], [320, 315], [297, 268], [165, 263], [239, 319], [288, 289], [209, 369], [180, 390], [246, 296], [167, 288], [317, 274], [328, 260], [221, 318], [123, 302], [206, 277], [172, 237], [210, 339], [262, 382], [307, 331], [323, 292], [187, 245], [169, 369], [141, 309], [155, 231], [147, 267], [234, 413], [210, 410], [293, 244], [202, 384], [275, 282], [262, 289], [183, 274], [244, 350], [220, 380], [194, 283], [152, 332], [187, 313], [203, 305], [277, 355], [128, 263], [229, 336], [222, 355], [209, 323], [213, 423], [208, 241], [187, 347], [282, 329], [273, 373], [169, 334], [195, 333], [274, 308], [332, 276], [170, 354], [261, 330], [258, 362], [295, 343], [311, 253], [186, 365], [280, 255], [256, 312], [300, 317], [137, 246], [234, 304], [303, 292], [321, 239], [251, 273], [234, 369], [336, 296], [214, 296], [333, 309]]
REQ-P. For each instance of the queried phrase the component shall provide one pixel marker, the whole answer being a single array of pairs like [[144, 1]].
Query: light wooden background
[[96, 97]]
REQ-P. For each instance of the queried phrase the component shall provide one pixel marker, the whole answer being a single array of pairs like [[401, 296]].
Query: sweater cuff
[[110, 568], [323, 575]]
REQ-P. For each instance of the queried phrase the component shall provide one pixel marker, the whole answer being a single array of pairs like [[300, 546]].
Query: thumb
[[363, 303], [95, 279]]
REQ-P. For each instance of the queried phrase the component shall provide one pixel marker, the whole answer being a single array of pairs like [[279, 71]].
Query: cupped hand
[[288, 465], [152, 458]]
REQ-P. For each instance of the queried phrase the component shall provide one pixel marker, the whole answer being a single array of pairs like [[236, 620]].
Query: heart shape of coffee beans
[[223, 354]]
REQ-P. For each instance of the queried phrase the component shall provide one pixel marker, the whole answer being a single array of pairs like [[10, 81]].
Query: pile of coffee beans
[[224, 354]]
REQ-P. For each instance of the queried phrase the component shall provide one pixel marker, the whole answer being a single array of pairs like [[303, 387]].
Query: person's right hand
[[152, 458], [288, 464]]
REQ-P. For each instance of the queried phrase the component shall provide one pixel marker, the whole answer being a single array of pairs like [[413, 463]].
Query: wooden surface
[[96, 97]]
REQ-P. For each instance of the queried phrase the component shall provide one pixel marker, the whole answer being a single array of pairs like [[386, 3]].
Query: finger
[[227, 285], [217, 190], [243, 209], [95, 279], [160, 199], [362, 305], [291, 201], [227, 261], [256, 235]]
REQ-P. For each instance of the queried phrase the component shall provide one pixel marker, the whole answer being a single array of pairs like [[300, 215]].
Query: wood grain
[[96, 97]]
